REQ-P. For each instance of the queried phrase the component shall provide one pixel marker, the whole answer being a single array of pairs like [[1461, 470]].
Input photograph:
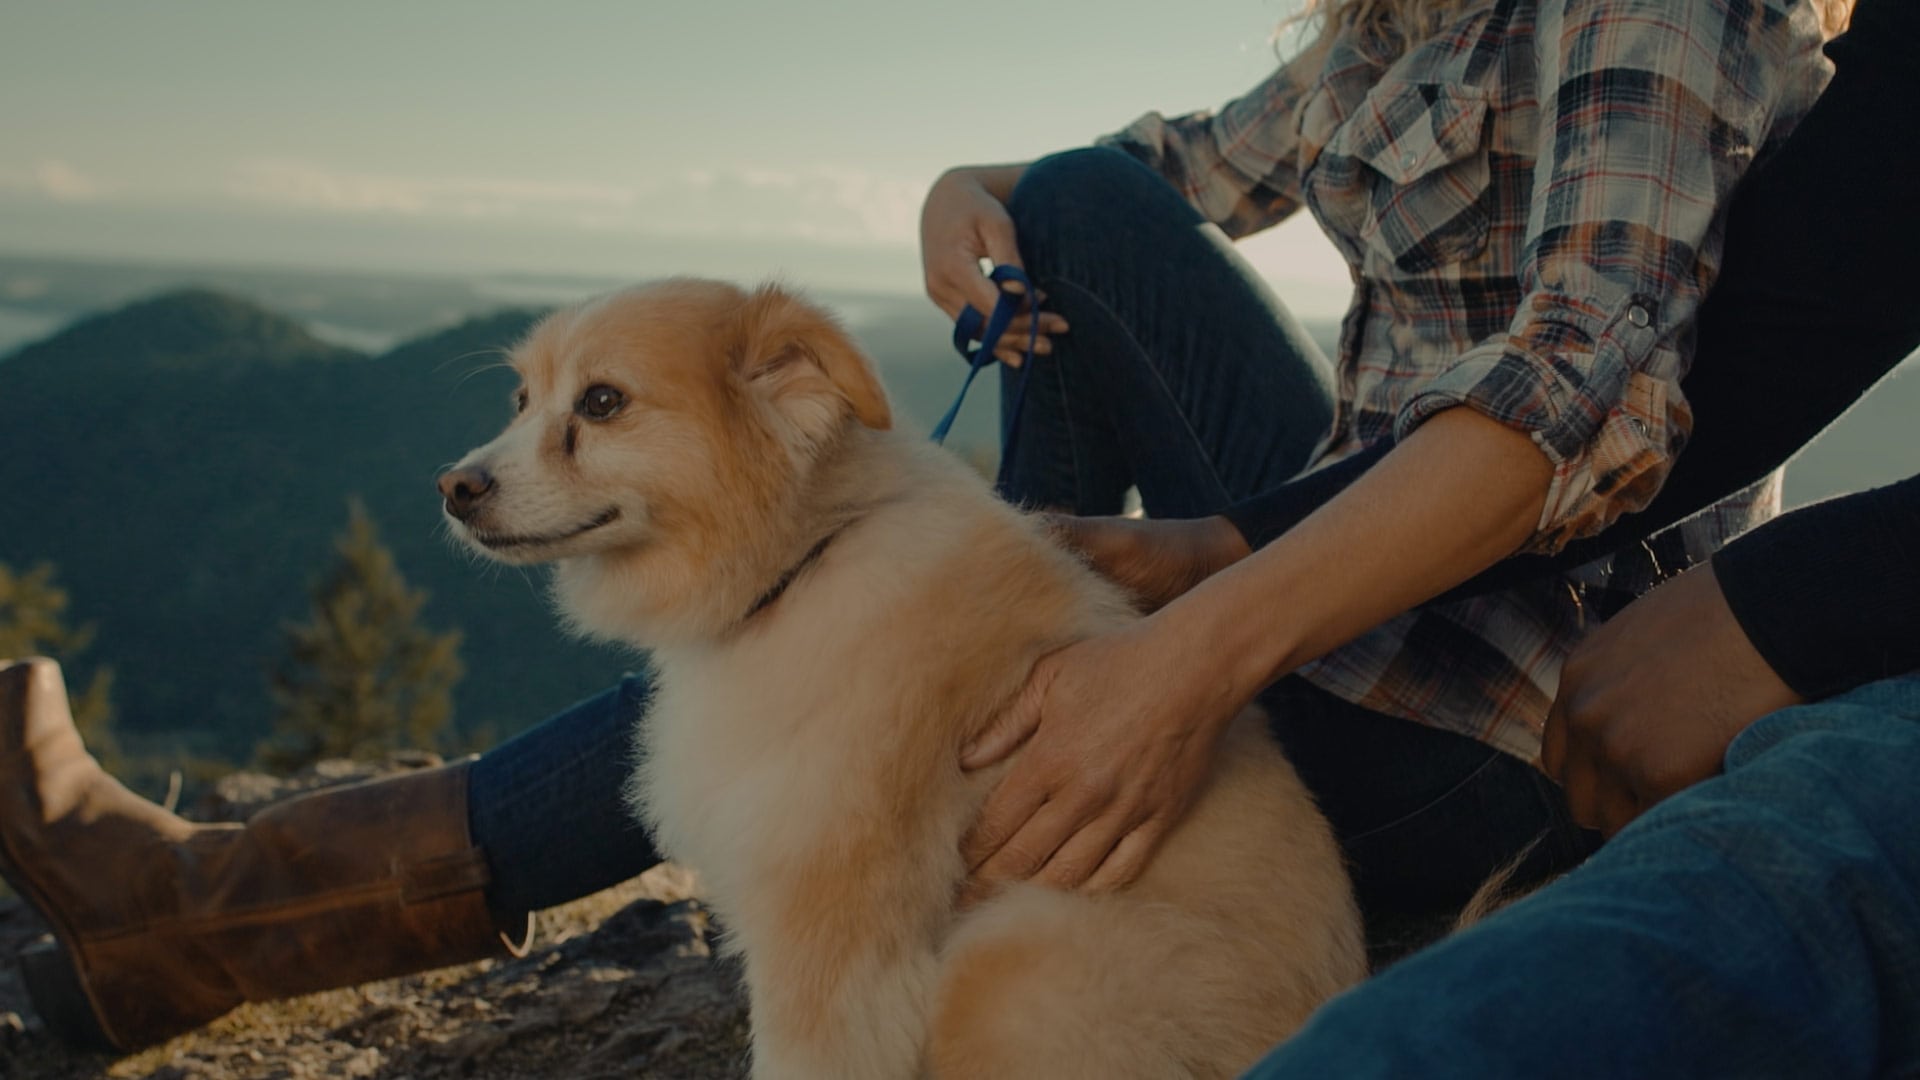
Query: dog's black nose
[[464, 488]]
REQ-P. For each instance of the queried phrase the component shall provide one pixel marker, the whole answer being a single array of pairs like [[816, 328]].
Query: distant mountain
[[186, 460], [184, 330], [358, 307]]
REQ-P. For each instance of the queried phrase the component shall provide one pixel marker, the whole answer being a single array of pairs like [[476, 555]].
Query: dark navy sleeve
[[1830, 594], [1264, 517]]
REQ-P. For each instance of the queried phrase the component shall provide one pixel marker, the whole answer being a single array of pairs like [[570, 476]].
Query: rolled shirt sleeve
[[1649, 112], [1239, 167]]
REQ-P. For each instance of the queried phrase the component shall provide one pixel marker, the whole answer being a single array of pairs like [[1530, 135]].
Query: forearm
[[998, 180], [1458, 494]]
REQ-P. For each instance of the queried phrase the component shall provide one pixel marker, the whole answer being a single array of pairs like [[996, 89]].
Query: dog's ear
[[779, 332]]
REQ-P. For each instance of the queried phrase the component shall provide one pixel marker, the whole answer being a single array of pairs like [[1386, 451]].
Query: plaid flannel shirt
[[1530, 204]]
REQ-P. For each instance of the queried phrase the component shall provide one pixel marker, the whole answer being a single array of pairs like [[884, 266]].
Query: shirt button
[[1638, 316], [1409, 159], [1638, 425]]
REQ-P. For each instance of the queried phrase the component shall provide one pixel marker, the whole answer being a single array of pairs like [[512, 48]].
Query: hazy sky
[[600, 138]]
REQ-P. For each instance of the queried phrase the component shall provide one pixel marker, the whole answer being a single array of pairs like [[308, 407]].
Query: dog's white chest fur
[[735, 767], [782, 767]]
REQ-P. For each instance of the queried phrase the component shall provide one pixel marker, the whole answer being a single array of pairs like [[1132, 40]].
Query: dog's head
[[661, 440]]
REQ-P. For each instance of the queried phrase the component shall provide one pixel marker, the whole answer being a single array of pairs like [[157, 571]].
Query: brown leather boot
[[161, 925]]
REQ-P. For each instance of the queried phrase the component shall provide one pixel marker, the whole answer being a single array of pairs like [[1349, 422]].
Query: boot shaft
[[164, 925]]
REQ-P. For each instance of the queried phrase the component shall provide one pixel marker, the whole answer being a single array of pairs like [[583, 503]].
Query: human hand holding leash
[[963, 221], [1118, 732], [1649, 702]]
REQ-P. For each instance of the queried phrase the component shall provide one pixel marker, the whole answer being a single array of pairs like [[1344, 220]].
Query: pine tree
[[361, 677], [33, 622]]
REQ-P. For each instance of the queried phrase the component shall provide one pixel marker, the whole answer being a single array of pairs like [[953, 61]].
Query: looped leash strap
[[970, 327]]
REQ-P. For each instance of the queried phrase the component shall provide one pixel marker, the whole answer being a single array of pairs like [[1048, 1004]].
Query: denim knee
[[1818, 803], [1080, 202]]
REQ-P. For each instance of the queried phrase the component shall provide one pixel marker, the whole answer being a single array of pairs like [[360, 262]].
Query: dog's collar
[[779, 587]]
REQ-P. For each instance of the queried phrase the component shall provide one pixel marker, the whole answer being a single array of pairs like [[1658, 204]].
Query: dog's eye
[[600, 401], [519, 402]]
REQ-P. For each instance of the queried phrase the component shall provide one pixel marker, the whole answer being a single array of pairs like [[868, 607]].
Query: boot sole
[[53, 983]]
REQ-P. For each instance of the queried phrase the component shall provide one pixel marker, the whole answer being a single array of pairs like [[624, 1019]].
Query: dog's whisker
[[473, 373], [501, 351]]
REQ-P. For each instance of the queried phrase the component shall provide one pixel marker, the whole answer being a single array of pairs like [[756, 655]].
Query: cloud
[[53, 179], [310, 186], [820, 203], [832, 204]]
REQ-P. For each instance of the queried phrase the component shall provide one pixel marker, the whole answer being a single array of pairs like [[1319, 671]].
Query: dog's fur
[[804, 757]]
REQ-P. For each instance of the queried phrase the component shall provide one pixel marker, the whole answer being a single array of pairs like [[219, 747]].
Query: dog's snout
[[463, 489]]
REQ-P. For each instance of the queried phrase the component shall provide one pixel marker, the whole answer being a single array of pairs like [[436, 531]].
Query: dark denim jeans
[[1765, 923], [1185, 377], [549, 806]]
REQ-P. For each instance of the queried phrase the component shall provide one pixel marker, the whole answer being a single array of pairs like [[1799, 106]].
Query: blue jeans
[[1765, 923], [549, 806], [1184, 376]]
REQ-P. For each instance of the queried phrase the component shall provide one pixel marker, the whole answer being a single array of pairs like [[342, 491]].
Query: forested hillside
[[185, 462]]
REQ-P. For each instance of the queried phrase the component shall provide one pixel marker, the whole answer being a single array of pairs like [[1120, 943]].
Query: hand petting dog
[[1119, 735], [1127, 723]]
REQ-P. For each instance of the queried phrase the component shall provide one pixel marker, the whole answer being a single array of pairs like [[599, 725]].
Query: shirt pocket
[[1415, 173]]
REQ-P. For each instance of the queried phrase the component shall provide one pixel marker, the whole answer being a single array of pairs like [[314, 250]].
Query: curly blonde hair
[[1390, 26]]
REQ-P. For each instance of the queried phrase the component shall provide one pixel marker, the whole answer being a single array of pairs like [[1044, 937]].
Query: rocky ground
[[621, 984]]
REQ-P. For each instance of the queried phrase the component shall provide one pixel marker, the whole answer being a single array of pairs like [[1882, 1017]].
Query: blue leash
[[970, 327]]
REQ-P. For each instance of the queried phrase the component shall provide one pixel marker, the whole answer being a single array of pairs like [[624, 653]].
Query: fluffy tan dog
[[833, 610]]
